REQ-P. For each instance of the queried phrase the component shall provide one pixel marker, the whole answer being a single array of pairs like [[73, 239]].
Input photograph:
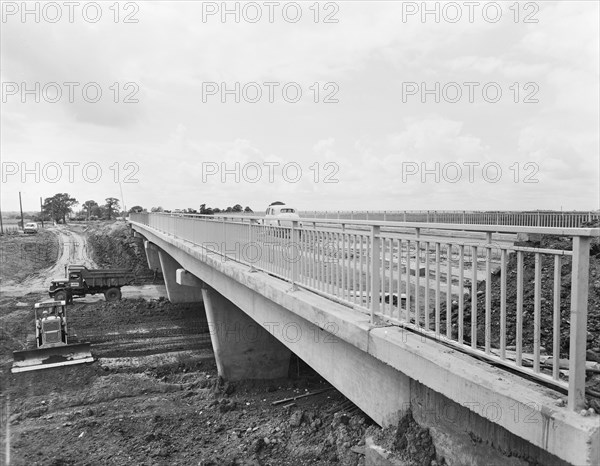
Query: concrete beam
[[175, 292], [184, 278], [152, 255], [243, 349]]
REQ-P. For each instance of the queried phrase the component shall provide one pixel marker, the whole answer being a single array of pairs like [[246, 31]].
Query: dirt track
[[72, 250]]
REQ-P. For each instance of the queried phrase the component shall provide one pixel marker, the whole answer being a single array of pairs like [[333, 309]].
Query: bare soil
[[153, 397], [112, 245], [23, 255]]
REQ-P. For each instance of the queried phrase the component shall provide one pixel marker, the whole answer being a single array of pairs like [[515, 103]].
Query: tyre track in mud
[[131, 330]]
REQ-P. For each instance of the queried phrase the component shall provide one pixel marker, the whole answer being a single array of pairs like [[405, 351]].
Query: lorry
[[80, 281], [54, 345]]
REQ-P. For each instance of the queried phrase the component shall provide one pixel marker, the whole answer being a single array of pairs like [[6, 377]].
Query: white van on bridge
[[279, 214]]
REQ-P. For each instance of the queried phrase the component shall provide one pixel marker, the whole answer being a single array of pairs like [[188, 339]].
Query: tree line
[[203, 210], [60, 207]]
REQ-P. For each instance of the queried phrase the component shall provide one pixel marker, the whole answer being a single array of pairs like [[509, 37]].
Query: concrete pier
[[175, 292], [152, 255], [243, 349]]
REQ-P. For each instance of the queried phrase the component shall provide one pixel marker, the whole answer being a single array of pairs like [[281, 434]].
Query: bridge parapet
[[562, 219], [467, 286]]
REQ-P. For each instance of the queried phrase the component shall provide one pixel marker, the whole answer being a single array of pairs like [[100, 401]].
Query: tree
[[248, 210], [98, 211], [237, 208], [205, 210], [112, 205], [156, 209], [87, 206], [59, 206], [136, 209]]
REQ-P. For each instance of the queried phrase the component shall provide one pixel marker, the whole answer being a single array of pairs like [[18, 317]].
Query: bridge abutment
[[243, 348]]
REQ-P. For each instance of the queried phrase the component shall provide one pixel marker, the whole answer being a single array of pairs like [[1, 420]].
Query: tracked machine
[[54, 345]]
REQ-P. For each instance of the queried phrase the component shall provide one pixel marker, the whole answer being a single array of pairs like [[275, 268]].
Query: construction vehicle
[[54, 345], [80, 281]]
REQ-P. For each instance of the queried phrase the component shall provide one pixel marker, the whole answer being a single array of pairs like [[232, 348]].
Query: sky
[[349, 105]]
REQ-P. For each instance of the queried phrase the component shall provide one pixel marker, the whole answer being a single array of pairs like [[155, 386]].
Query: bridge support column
[[177, 293], [152, 255], [243, 348]]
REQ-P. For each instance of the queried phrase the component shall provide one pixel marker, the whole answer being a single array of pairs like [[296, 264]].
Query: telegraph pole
[[1, 225], [41, 212], [122, 199], [21, 207]]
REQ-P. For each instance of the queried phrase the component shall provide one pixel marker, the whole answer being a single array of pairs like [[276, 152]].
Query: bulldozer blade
[[45, 358]]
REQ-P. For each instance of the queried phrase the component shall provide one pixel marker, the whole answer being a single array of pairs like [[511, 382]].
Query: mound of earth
[[547, 290], [23, 255], [113, 246]]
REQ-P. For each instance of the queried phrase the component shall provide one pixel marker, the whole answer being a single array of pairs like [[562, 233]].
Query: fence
[[14, 229], [517, 306], [537, 218]]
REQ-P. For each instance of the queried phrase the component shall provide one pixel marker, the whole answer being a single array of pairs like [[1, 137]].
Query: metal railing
[[535, 218], [466, 286]]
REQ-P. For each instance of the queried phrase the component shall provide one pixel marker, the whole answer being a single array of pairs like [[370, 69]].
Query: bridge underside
[[477, 414]]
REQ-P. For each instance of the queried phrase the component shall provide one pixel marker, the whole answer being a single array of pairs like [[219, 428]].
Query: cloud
[[368, 135]]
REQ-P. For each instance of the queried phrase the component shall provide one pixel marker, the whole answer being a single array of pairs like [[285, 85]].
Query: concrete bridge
[[345, 297]]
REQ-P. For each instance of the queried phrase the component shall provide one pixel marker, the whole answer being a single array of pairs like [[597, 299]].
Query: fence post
[[375, 270], [224, 234], [578, 331], [294, 260]]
